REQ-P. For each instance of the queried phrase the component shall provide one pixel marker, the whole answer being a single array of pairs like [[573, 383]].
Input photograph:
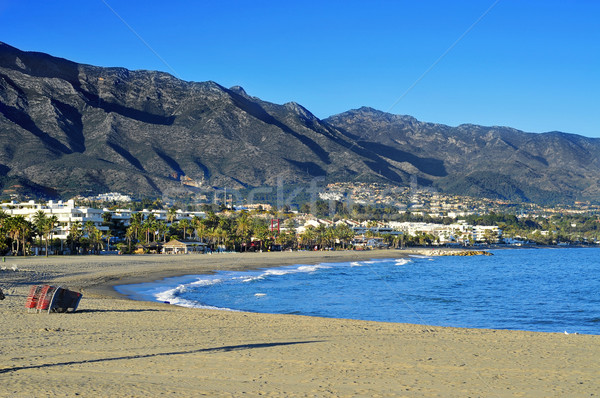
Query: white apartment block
[[67, 214], [460, 232]]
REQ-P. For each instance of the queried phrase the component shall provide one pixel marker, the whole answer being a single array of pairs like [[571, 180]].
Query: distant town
[[358, 216]]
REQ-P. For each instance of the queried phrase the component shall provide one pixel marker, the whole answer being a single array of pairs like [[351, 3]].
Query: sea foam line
[[164, 291]]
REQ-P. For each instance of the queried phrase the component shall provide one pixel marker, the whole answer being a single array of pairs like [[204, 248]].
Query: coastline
[[98, 275], [120, 347]]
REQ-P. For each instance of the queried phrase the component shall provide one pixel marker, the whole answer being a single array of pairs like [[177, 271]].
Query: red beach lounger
[[52, 299]]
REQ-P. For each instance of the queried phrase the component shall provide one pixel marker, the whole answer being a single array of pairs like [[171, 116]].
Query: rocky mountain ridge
[[68, 128]]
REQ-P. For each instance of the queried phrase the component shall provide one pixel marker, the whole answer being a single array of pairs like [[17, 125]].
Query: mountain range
[[69, 128]]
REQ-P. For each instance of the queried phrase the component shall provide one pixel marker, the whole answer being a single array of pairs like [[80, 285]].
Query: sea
[[541, 290]]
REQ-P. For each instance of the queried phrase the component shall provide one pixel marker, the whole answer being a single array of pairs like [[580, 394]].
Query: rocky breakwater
[[448, 252], [468, 253]]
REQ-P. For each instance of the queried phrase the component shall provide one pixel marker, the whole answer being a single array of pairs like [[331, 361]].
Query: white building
[[67, 214], [459, 232]]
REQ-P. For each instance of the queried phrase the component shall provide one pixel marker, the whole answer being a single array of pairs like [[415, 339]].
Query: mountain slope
[[72, 128], [498, 162], [68, 128]]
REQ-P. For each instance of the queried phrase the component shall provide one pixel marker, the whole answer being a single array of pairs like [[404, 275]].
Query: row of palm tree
[[240, 232], [326, 236], [17, 231]]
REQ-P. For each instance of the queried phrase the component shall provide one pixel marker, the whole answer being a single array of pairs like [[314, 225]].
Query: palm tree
[[344, 233], [48, 228], [90, 230], [329, 237], [212, 220], [287, 238], [4, 219], [96, 239], [148, 225], [161, 229], [196, 223], [184, 224], [211, 234], [221, 236], [76, 233], [244, 227], [26, 228], [13, 230], [135, 222], [171, 215], [88, 227], [19, 230], [39, 221], [107, 235], [307, 238], [320, 234], [106, 218], [201, 229], [129, 234]]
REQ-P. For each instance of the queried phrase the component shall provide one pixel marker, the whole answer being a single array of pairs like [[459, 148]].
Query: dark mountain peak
[[239, 90], [368, 114], [300, 110], [568, 136], [36, 63]]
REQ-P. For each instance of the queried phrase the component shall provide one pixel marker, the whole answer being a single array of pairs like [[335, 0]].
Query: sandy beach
[[116, 347]]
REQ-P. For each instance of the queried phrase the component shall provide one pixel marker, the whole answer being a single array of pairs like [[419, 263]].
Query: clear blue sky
[[532, 65]]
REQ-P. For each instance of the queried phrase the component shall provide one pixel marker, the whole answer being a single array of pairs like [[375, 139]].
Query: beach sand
[[116, 347]]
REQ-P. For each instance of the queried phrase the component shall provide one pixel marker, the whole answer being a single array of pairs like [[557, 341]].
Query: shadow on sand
[[161, 354]]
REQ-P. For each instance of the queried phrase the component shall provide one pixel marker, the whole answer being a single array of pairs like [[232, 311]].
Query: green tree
[[243, 228], [130, 234], [135, 222], [48, 229], [26, 230], [345, 234], [4, 217], [39, 221], [75, 233], [92, 234], [308, 237], [107, 235], [171, 215], [199, 227], [185, 224]]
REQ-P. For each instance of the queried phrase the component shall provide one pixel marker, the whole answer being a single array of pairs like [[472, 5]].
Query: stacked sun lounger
[[52, 299]]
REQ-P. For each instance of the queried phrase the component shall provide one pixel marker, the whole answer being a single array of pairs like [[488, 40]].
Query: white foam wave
[[251, 278], [175, 295], [206, 282], [280, 272], [276, 272], [311, 268], [403, 261], [418, 256], [172, 297]]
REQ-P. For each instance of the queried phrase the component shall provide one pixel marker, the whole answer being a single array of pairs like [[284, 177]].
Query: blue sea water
[[546, 290]]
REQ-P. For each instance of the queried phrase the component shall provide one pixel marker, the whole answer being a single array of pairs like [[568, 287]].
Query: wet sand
[[115, 347]]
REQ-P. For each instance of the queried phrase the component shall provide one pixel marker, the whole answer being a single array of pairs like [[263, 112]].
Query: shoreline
[[83, 272], [117, 346]]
